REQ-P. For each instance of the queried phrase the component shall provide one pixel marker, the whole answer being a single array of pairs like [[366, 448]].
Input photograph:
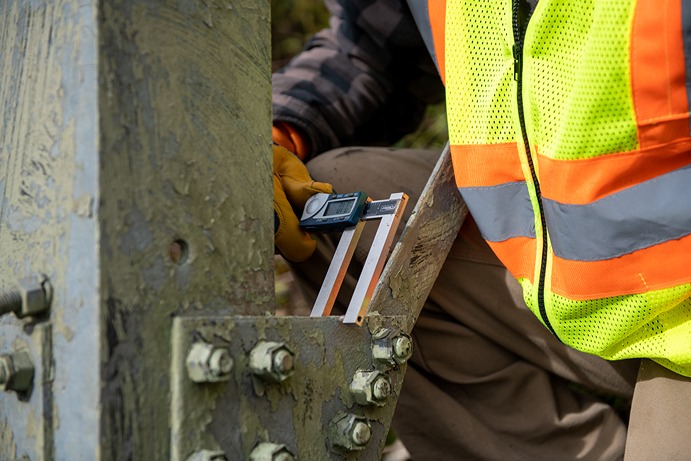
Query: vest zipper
[[521, 16]]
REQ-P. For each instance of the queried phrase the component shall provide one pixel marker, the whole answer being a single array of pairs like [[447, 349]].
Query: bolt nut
[[361, 433], [208, 455], [16, 372], [36, 293], [402, 347], [391, 347], [272, 361], [207, 363], [370, 387], [350, 432], [271, 452]]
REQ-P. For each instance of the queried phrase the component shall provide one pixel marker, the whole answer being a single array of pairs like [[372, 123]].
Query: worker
[[570, 138]]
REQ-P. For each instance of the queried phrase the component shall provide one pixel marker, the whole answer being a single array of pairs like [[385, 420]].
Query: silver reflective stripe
[[420, 12], [641, 216], [686, 35], [501, 212]]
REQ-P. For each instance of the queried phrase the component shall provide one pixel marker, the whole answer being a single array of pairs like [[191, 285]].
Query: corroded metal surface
[[236, 416], [25, 417]]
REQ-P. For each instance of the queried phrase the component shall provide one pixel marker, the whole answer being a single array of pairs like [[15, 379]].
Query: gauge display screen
[[339, 207]]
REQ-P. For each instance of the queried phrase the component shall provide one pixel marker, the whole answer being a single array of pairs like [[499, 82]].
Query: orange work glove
[[293, 185]]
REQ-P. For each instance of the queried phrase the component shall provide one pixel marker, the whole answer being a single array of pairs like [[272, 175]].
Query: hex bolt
[[361, 434], [381, 389], [349, 432], [208, 363], [267, 451], [272, 361], [16, 372], [284, 457], [391, 347], [32, 296], [370, 387], [208, 455], [220, 362], [402, 347], [282, 362]]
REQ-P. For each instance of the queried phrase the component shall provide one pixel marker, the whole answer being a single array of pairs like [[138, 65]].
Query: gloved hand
[[293, 186]]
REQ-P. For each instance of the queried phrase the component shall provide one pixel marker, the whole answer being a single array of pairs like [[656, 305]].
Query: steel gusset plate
[[237, 414]]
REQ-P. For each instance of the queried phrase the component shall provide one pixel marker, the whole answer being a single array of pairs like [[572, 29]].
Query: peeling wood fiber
[[417, 258]]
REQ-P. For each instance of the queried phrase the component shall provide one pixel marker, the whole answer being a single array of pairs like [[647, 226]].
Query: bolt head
[[36, 295], [402, 347], [283, 457], [381, 389], [282, 362], [370, 387], [267, 451], [391, 347], [361, 433], [220, 362], [272, 361], [207, 363], [349, 432], [18, 371]]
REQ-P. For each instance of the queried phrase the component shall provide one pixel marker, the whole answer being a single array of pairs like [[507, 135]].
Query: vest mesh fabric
[[469, 67], [653, 324], [578, 105], [578, 99]]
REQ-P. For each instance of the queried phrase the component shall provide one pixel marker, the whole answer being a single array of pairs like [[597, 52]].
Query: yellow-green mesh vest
[[571, 145]]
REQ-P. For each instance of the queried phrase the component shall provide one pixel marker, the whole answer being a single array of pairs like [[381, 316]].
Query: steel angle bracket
[[389, 212], [249, 409]]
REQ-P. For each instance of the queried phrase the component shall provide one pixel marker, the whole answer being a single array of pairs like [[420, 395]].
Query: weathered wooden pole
[[135, 173]]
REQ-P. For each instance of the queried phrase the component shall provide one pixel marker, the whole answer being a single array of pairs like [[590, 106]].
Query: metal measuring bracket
[[389, 212]]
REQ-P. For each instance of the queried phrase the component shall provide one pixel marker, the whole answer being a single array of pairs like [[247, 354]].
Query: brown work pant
[[487, 381]]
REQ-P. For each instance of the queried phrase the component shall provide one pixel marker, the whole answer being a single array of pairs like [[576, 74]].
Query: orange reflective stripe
[[518, 255], [486, 165], [657, 267], [437, 19], [655, 132], [583, 181], [658, 75]]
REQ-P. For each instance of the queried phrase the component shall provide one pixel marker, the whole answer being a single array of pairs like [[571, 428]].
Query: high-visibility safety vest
[[571, 142]]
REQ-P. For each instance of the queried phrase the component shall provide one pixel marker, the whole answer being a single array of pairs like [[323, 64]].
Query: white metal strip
[[337, 270], [359, 303]]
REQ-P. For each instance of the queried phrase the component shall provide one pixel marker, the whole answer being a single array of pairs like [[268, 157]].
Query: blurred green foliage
[[294, 21]]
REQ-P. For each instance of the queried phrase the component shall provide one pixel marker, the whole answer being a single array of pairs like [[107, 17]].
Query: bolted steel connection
[[31, 296], [391, 347], [271, 452], [16, 372], [370, 387], [207, 363], [350, 432], [272, 361]]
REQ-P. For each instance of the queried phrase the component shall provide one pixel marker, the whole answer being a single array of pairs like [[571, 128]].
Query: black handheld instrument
[[332, 212]]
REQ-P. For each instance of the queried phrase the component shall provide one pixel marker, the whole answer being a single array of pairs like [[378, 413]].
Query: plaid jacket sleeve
[[365, 80]]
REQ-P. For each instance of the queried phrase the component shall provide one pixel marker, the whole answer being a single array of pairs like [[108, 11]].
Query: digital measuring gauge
[[333, 212]]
